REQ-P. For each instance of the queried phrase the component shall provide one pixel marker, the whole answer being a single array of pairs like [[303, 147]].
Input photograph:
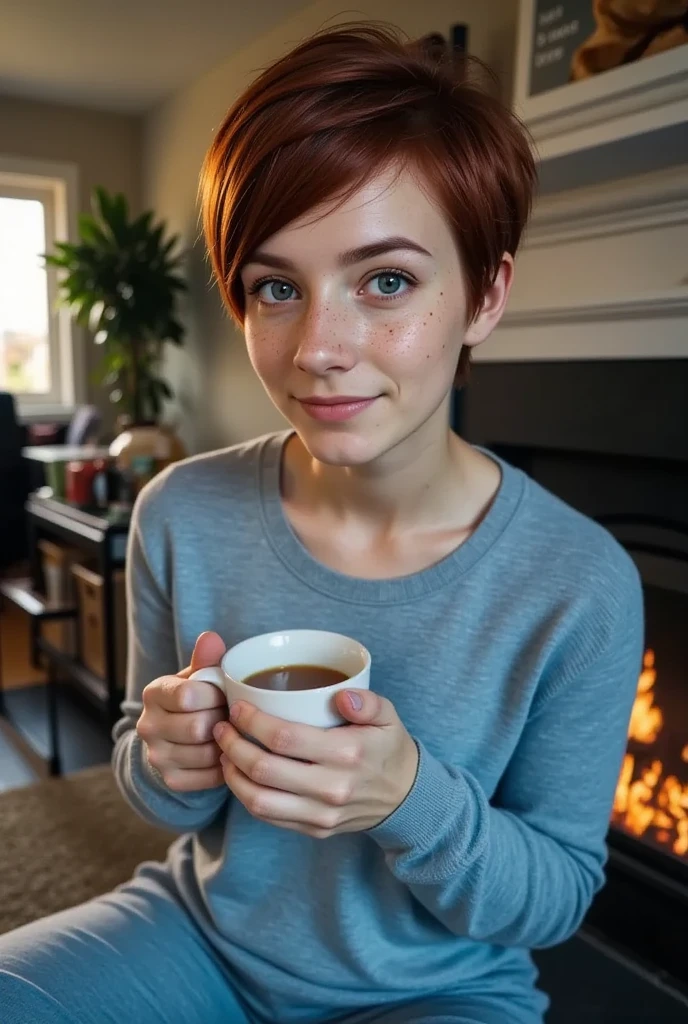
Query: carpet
[[66, 840]]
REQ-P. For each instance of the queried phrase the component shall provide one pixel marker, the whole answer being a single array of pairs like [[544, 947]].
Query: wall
[[220, 400], [105, 147], [602, 274]]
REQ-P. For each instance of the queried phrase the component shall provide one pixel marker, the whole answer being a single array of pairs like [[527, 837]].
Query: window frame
[[55, 186]]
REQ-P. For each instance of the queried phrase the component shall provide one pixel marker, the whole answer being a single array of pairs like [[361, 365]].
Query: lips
[[337, 400], [335, 409]]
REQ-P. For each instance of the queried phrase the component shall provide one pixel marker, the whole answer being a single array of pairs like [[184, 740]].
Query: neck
[[432, 477]]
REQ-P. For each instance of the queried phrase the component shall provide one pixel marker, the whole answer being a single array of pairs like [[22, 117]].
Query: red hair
[[338, 109]]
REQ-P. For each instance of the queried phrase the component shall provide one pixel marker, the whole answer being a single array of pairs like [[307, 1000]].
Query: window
[[36, 338], [24, 316]]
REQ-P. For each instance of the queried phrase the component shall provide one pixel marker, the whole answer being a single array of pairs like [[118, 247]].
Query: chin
[[341, 447]]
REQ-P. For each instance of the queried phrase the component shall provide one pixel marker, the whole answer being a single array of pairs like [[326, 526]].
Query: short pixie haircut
[[337, 110]]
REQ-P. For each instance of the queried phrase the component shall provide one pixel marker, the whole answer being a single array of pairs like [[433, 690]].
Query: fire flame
[[651, 800], [646, 720]]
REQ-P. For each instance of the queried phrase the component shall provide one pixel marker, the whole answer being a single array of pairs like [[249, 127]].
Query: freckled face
[[377, 333]]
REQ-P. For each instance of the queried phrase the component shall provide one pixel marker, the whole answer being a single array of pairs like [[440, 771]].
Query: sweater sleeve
[[522, 870], [152, 652]]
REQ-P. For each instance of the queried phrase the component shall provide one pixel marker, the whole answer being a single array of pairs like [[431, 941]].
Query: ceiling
[[125, 56]]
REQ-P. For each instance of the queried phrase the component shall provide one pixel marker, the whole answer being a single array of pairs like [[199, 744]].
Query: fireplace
[[651, 800], [540, 417]]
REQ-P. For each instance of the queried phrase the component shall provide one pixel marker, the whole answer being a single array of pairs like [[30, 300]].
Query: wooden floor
[[15, 662], [84, 741]]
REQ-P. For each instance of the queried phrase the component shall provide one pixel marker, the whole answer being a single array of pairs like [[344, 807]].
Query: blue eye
[[390, 283], [273, 291], [277, 291]]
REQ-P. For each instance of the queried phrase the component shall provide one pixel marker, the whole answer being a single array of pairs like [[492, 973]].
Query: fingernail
[[234, 711], [224, 759], [355, 700], [219, 730]]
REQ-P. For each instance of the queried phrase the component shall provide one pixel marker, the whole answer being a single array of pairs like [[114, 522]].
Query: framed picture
[[447, 51], [594, 71]]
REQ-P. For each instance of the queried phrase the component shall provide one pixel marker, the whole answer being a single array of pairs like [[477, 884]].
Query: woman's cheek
[[419, 346], [266, 354]]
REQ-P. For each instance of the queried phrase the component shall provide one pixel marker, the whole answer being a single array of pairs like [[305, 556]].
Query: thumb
[[362, 707], [208, 651]]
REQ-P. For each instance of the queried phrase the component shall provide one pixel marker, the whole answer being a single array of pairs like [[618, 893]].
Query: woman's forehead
[[386, 205]]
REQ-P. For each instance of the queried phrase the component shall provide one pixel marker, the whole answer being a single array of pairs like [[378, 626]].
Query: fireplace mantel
[[602, 274]]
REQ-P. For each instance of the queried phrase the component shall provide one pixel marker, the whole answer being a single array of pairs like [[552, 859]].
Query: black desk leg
[[109, 623], [35, 563], [2, 688], [38, 584], [54, 763], [34, 632]]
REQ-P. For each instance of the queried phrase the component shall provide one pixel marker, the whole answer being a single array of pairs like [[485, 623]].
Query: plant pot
[[150, 441]]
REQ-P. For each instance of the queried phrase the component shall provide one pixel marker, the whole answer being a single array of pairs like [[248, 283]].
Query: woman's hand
[[177, 722], [320, 781]]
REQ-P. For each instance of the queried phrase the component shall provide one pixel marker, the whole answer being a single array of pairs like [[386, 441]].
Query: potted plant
[[121, 281]]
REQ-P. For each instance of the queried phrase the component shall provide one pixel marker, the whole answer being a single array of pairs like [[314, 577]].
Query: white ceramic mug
[[291, 647]]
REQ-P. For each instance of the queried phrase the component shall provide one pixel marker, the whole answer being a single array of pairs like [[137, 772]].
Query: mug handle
[[212, 674]]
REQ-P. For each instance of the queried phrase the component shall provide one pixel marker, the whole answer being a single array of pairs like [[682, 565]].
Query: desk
[[55, 457], [105, 538], [64, 452]]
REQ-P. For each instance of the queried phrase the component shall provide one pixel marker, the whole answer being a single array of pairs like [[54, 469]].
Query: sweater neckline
[[296, 557]]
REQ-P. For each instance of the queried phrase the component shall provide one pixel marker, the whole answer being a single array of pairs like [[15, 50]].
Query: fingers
[[364, 707], [339, 748], [276, 806], [323, 783], [177, 722], [196, 727], [208, 651], [185, 780], [173, 693], [163, 755], [192, 727]]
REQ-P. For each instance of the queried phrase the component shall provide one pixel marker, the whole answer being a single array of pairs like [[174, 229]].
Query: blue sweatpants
[[134, 956]]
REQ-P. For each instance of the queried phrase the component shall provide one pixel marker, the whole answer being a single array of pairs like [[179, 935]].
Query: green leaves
[[122, 280], [90, 231], [113, 213]]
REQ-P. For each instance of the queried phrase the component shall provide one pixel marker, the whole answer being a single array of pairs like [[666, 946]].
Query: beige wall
[[220, 400], [105, 147], [602, 274]]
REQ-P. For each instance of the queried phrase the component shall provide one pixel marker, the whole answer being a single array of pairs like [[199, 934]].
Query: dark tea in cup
[[295, 677]]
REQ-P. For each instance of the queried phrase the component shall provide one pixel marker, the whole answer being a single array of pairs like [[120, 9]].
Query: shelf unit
[[104, 539]]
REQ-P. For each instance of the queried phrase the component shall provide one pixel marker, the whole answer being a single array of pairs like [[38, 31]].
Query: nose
[[325, 341]]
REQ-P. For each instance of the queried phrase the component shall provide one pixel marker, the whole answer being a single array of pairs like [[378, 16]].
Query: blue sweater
[[513, 662]]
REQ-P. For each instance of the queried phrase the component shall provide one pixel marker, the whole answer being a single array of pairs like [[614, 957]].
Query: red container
[[79, 480]]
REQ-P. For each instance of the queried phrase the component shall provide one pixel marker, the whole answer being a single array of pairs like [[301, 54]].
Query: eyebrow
[[394, 243]]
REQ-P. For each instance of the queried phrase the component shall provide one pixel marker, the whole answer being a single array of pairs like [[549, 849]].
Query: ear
[[493, 305]]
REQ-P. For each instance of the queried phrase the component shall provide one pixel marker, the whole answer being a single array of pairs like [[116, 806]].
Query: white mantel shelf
[[638, 203], [603, 274], [638, 327], [649, 305]]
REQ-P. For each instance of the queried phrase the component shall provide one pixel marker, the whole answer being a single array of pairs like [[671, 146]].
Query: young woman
[[362, 212]]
